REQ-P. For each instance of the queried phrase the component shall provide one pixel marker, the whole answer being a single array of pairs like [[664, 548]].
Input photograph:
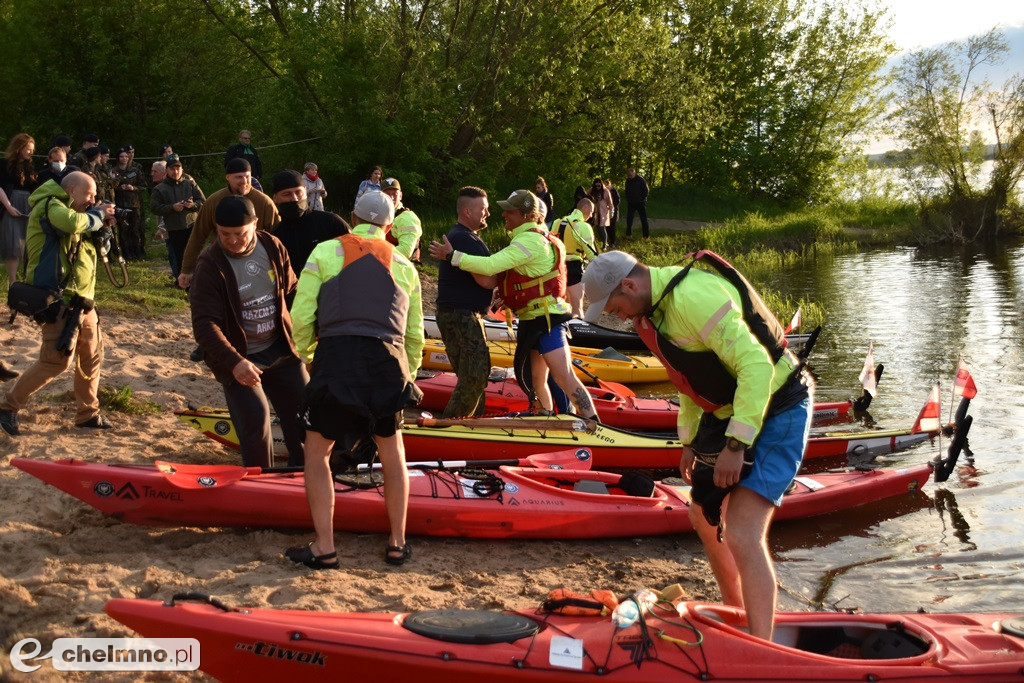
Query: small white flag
[[928, 419], [867, 375], [795, 323]]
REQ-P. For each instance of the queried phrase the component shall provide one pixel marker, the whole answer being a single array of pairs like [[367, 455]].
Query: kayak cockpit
[[831, 635]]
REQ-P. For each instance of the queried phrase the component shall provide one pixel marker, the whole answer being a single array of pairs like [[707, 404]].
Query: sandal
[[304, 555], [406, 551]]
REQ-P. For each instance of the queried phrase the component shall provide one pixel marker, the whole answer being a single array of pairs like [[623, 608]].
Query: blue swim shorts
[[778, 452], [553, 340]]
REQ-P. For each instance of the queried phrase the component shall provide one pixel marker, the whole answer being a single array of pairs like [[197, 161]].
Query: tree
[[945, 115]]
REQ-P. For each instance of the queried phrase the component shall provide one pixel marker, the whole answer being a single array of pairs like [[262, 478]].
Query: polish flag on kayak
[[867, 375], [795, 323], [928, 419], [963, 384]]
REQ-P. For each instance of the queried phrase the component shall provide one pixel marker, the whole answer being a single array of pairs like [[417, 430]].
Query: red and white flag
[[928, 418], [867, 375], [963, 383], [795, 323]]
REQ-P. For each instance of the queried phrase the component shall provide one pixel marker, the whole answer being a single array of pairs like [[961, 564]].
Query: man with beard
[[239, 176], [301, 228]]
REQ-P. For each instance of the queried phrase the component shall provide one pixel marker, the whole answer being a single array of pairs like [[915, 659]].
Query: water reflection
[[958, 547]]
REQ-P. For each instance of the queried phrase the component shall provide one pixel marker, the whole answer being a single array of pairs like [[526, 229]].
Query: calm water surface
[[958, 545]]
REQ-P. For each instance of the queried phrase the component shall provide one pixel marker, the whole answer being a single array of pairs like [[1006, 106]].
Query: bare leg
[[320, 490], [742, 563], [539, 374], [576, 299], [391, 451], [559, 362], [12, 271]]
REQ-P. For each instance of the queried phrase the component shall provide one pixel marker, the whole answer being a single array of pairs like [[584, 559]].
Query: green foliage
[[123, 400], [945, 113], [758, 98]]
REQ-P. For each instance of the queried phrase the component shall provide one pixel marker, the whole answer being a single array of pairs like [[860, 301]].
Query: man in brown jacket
[[239, 177], [240, 295]]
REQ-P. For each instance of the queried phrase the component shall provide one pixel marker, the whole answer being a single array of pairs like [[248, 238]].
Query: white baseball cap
[[602, 276]]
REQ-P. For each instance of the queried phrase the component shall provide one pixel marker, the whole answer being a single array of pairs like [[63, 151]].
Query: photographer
[[59, 242]]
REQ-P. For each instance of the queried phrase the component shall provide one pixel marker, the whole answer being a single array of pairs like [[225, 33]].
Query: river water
[[955, 546]]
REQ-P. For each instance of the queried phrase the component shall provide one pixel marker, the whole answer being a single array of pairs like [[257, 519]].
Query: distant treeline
[[758, 98]]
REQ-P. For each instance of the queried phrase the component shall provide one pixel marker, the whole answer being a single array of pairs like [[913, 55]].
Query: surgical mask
[[58, 166], [292, 211]]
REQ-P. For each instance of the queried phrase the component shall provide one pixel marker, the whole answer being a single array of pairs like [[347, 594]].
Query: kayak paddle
[[189, 476], [613, 387], [540, 424]]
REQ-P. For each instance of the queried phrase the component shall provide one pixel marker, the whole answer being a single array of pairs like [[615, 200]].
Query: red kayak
[[684, 641], [507, 502], [615, 407]]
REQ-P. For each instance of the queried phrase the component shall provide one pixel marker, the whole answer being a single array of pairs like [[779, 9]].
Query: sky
[[921, 23]]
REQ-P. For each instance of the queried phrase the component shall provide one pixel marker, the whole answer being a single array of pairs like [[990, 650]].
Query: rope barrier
[[203, 154]]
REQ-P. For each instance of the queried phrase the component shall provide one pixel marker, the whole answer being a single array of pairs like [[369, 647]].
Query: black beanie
[[237, 165], [234, 212], [286, 180]]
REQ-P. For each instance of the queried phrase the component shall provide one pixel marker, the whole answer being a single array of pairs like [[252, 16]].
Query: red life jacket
[[518, 290], [700, 375]]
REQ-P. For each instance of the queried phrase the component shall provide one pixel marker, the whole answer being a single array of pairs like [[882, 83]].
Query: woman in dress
[[18, 178]]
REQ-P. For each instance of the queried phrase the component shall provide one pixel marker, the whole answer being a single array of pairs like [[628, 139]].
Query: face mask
[[58, 166], [292, 211]]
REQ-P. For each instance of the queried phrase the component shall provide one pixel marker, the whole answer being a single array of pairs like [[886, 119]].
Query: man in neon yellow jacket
[[745, 405], [407, 230], [531, 276], [580, 246], [357, 316]]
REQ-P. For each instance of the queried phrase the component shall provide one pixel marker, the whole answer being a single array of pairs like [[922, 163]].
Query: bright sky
[[920, 23]]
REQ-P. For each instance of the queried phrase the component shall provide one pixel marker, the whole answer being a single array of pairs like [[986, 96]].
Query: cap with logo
[[602, 276], [375, 207], [520, 200], [173, 160], [391, 184]]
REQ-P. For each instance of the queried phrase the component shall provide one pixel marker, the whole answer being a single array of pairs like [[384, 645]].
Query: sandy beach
[[61, 560]]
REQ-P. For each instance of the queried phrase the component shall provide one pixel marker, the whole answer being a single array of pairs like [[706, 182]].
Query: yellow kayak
[[609, 364]]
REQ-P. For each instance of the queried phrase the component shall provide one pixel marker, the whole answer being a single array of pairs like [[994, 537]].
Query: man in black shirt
[[462, 300], [301, 228], [636, 202]]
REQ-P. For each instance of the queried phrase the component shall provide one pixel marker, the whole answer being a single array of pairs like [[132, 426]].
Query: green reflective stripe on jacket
[[704, 313], [530, 254], [326, 261]]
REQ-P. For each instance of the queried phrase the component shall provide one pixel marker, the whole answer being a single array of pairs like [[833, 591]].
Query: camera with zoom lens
[[120, 213]]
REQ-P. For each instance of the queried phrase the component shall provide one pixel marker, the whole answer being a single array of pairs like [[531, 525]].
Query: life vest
[[700, 375], [519, 290]]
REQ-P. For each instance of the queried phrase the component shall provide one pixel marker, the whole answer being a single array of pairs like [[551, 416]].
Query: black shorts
[[574, 271], [357, 389]]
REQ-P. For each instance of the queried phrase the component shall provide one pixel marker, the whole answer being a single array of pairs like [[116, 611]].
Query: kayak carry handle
[[198, 597]]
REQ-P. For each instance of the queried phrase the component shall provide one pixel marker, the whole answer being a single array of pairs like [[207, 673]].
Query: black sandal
[[304, 555], [406, 551]]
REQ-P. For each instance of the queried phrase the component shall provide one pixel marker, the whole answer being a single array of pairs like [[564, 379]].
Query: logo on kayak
[[206, 480], [275, 652], [221, 427], [127, 492], [582, 454], [103, 489], [511, 488]]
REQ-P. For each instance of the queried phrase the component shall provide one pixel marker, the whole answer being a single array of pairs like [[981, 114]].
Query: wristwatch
[[735, 444]]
